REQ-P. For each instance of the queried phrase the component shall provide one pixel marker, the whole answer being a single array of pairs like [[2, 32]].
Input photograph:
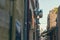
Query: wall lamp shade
[[39, 13]]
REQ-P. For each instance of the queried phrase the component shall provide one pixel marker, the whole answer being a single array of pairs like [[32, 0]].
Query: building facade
[[51, 25], [4, 21], [11, 19], [19, 20], [58, 23], [35, 15], [52, 18]]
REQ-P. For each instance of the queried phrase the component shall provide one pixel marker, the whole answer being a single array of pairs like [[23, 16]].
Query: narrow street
[[29, 20]]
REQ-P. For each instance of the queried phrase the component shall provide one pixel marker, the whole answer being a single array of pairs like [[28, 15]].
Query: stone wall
[[4, 21]]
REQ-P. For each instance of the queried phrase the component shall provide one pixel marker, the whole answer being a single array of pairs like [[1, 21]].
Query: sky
[[46, 6]]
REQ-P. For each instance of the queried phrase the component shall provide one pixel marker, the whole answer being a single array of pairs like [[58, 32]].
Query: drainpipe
[[57, 32], [25, 28], [56, 29], [11, 10]]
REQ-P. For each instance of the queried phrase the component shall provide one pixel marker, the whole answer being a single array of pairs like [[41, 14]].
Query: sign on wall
[[18, 30]]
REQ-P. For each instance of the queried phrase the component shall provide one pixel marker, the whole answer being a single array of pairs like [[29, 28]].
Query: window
[[2, 3]]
